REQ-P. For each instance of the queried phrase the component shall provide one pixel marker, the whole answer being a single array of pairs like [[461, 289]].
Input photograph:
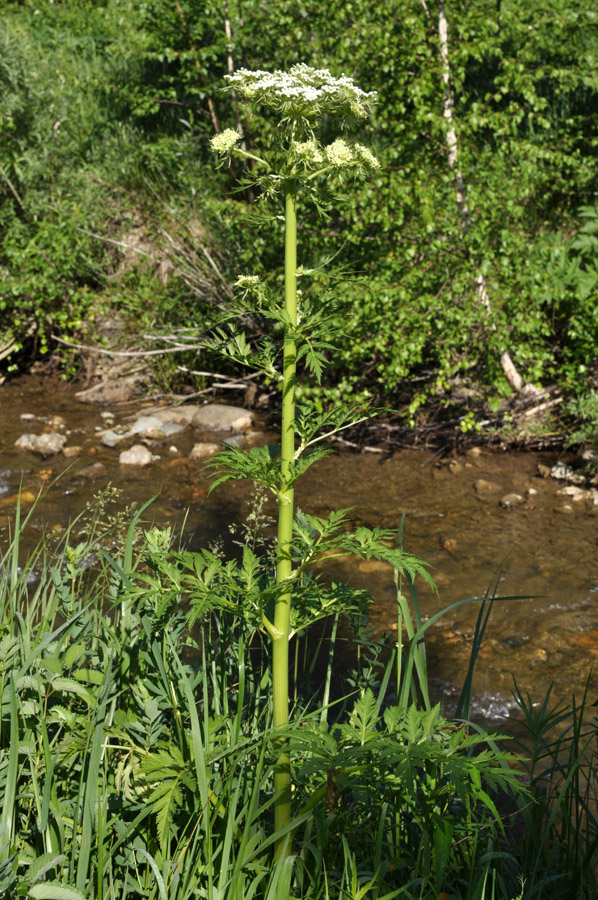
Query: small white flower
[[302, 92], [339, 154], [366, 157], [247, 282], [308, 152], [225, 141]]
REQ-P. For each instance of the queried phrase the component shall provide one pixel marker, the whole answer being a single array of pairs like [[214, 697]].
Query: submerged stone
[[93, 471], [511, 501], [138, 455], [203, 450], [220, 417], [48, 444]]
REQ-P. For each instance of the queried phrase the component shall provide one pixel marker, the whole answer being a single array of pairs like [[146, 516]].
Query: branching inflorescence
[[295, 164]]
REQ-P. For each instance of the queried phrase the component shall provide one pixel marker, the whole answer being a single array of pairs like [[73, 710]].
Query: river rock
[[237, 440], [93, 471], [48, 444], [111, 438], [255, 439], [119, 390], [220, 417], [72, 452], [22, 497], [138, 455], [566, 473], [575, 493], [449, 544], [153, 427], [180, 415], [481, 486], [511, 501], [212, 417], [203, 450]]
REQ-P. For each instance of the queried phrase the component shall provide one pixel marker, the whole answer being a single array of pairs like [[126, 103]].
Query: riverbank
[[466, 514]]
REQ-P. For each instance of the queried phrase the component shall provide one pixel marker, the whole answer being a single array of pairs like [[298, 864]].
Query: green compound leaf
[[54, 891]]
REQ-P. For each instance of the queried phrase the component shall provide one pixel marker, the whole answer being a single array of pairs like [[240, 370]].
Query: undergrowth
[[137, 757]]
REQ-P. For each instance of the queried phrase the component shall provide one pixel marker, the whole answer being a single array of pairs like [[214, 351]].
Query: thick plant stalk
[[452, 151], [282, 614]]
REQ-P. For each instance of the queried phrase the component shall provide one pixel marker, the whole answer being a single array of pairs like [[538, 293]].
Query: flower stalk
[[282, 615], [299, 100]]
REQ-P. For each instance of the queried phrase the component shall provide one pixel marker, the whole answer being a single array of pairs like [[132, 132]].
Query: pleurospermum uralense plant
[[297, 168]]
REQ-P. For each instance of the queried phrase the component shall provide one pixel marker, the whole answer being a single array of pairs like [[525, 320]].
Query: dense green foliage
[[137, 755], [106, 111]]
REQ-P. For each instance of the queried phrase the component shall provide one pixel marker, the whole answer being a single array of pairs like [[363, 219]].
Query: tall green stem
[[282, 614]]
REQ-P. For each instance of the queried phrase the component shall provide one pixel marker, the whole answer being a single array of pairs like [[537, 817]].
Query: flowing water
[[545, 548]]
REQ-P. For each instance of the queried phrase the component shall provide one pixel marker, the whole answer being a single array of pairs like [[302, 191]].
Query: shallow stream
[[546, 547]]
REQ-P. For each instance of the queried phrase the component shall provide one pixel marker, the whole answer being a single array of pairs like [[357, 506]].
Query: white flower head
[[247, 282], [308, 152], [225, 142], [340, 154], [366, 157], [303, 92]]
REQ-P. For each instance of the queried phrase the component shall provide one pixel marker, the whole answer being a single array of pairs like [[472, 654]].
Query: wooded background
[[477, 238]]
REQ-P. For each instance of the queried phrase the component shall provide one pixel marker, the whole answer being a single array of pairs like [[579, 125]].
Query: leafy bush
[[137, 96]]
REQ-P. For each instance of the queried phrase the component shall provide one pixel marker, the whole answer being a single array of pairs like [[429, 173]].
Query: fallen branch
[[541, 407], [126, 353]]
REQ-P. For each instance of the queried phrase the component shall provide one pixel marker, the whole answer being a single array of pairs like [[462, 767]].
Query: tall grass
[[156, 778]]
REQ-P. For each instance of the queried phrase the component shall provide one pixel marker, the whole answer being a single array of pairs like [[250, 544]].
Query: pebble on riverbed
[[212, 417], [138, 455], [48, 444], [72, 452], [575, 493], [111, 438], [203, 450], [154, 428], [481, 486], [563, 472], [511, 501], [93, 471]]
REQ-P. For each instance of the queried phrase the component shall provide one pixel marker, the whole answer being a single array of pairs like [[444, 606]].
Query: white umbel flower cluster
[[247, 282], [225, 142], [342, 155], [308, 152], [303, 92]]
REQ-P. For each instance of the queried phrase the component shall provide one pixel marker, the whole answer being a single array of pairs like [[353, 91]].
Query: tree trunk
[[452, 152]]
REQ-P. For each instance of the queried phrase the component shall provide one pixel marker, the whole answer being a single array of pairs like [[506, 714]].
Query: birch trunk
[[452, 151], [230, 66]]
